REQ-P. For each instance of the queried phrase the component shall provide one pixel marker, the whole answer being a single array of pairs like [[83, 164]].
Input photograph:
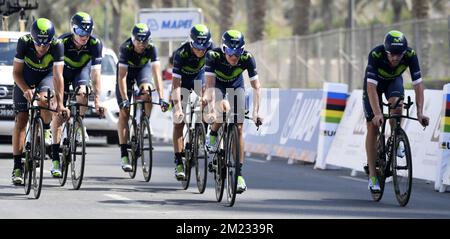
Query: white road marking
[[117, 197]]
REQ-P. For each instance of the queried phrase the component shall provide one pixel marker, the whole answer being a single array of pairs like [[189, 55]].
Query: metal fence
[[341, 55]]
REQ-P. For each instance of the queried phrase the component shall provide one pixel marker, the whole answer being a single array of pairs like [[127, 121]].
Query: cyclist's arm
[[210, 76], [122, 80], [176, 92], [156, 70], [417, 82], [58, 68], [210, 91], [96, 77], [19, 64], [256, 85], [418, 89], [96, 69], [18, 75], [58, 82]]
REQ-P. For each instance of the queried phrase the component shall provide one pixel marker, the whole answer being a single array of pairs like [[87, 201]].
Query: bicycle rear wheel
[[200, 157], [133, 140], [37, 156], [66, 154], [78, 151], [402, 168], [380, 166], [232, 154], [146, 149]]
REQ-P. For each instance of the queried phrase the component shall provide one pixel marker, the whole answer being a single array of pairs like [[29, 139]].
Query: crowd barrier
[[312, 126]]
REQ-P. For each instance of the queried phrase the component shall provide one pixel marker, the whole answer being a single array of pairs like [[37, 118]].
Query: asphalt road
[[275, 190]]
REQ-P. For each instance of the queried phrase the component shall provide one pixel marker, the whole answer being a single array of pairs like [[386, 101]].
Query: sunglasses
[[80, 32], [234, 52]]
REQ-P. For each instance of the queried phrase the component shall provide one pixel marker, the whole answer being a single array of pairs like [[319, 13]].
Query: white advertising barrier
[[348, 147], [170, 23], [443, 169], [161, 123], [334, 98]]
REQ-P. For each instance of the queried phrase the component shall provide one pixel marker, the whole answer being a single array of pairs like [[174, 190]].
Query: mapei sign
[[170, 23]]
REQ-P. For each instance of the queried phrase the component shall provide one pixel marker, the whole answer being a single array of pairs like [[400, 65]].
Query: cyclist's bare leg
[[371, 147], [224, 107], [148, 97], [56, 125], [397, 110], [19, 132], [82, 99], [178, 137], [122, 126], [45, 114]]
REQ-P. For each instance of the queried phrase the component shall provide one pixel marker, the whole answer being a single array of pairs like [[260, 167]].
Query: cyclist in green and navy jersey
[[38, 65], [224, 82], [82, 60], [384, 71], [188, 75], [138, 59]]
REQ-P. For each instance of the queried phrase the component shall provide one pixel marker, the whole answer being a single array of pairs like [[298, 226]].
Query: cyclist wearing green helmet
[[385, 67], [38, 65], [188, 74], [82, 60], [224, 81], [138, 59]]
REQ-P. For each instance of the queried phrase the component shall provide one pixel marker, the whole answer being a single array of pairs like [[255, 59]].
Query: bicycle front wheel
[[146, 149], [200, 157], [380, 166], [402, 168], [27, 167], [78, 151], [66, 155], [133, 140], [37, 156], [232, 155], [187, 159]]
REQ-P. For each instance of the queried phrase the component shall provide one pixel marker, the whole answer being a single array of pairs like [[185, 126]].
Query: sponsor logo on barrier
[[330, 133], [445, 145], [302, 120]]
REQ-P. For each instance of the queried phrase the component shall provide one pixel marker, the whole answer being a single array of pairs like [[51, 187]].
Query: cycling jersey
[[387, 79], [187, 66], [79, 62], [37, 72], [138, 65], [378, 68], [132, 60], [227, 75], [35, 68]]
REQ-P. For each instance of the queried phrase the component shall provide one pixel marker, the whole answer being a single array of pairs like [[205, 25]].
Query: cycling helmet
[[233, 43], [42, 32], [200, 37], [140, 32], [395, 42], [82, 24]]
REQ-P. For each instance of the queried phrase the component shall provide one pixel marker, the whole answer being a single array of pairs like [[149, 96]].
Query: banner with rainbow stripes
[[333, 107], [444, 141]]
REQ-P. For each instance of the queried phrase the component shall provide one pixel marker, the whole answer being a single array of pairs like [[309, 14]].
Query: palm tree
[[397, 8], [256, 10], [301, 17], [421, 10], [226, 8], [327, 14]]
